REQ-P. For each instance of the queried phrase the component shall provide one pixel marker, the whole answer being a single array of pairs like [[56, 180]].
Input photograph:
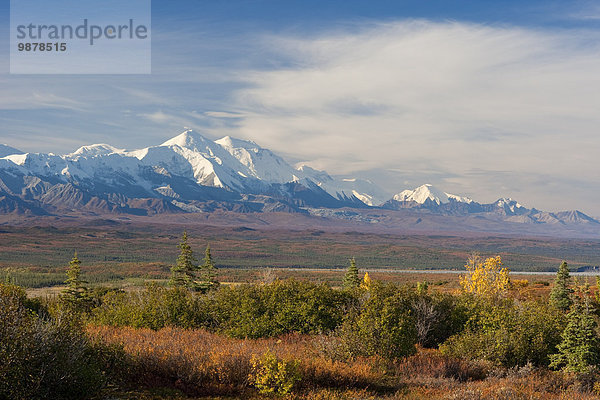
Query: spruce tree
[[76, 295], [183, 274], [579, 349], [208, 272], [560, 296], [351, 279]]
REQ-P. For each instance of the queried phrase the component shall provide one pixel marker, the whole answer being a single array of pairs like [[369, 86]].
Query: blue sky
[[481, 98]]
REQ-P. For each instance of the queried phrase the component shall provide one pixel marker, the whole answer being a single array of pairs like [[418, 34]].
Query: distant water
[[436, 271]]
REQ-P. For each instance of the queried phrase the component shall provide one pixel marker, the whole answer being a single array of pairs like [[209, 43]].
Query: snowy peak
[[314, 174], [429, 193], [210, 163], [510, 206], [260, 163], [6, 150], [236, 160], [232, 143], [233, 164], [190, 140], [94, 150], [509, 210], [507, 201]]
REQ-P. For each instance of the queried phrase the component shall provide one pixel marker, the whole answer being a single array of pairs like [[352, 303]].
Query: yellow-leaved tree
[[485, 277], [366, 283]]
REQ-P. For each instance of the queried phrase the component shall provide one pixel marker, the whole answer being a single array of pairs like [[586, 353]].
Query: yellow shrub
[[486, 278], [272, 375]]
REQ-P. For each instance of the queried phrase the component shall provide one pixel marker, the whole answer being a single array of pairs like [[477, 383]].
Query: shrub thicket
[[386, 319], [43, 358], [251, 311], [508, 333], [437, 316], [154, 307], [50, 357], [255, 311], [381, 324]]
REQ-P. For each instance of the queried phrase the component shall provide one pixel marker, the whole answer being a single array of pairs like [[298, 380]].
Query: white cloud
[[222, 114], [452, 98], [159, 117]]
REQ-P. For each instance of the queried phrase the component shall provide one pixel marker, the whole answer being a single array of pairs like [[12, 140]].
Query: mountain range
[[193, 174]]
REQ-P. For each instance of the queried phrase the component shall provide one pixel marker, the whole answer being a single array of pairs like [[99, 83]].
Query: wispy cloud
[[14, 98], [444, 96], [223, 114], [158, 117]]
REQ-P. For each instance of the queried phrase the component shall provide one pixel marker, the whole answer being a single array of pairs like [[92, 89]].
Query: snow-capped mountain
[[427, 197], [191, 173], [345, 188], [95, 150], [511, 207], [182, 171], [259, 163], [428, 193]]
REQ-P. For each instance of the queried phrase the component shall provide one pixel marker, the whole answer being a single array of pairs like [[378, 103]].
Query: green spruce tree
[[560, 296], [579, 349], [351, 279], [76, 295], [183, 274], [208, 272]]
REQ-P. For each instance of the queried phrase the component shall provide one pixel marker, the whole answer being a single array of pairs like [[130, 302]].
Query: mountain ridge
[[191, 173]]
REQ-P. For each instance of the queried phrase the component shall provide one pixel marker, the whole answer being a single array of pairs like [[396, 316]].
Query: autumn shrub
[[273, 375], [508, 333], [486, 277], [519, 283], [339, 394], [193, 360], [42, 358], [319, 371]]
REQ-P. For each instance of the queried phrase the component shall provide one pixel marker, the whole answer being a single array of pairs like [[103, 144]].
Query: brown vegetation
[[198, 363]]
